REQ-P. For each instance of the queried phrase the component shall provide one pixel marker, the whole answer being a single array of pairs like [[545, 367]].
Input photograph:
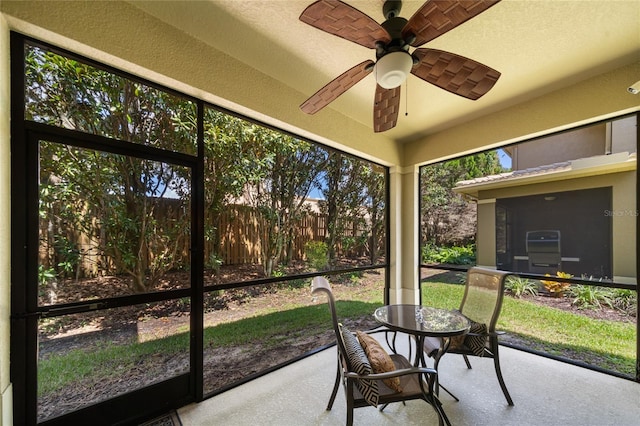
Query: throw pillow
[[380, 360], [360, 364], [474, 341]]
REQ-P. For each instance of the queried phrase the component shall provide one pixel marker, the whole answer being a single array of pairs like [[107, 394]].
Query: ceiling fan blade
[[337, 87], [338, 18], [386, 106], [436, 17], [454, 73]]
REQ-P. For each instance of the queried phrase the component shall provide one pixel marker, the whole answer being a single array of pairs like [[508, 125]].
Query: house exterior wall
[[623, 134], [623, 231], [607, 138], [586, 142], [622, 214]]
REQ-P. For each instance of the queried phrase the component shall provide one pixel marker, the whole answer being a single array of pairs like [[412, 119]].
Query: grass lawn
[[606, 344]]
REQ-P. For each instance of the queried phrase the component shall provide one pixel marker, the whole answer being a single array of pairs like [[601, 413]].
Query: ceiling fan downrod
[[394, 25], [391, 8]]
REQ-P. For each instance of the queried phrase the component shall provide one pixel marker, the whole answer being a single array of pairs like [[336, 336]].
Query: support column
[[6, 404], [404, 240]]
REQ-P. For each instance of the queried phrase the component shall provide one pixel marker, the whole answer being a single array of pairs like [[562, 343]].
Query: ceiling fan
[[391, 41]]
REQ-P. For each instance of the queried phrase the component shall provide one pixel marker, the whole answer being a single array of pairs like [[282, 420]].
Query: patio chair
[[481, 304], [360, 370]]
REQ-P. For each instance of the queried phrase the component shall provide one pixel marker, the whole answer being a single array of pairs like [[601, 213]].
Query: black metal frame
[[123, 408], [148, 401]]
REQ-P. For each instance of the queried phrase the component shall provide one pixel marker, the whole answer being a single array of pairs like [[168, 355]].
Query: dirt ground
[[222, 366]]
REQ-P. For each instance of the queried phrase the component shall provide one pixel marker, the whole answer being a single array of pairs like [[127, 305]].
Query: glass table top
[[423, 320]]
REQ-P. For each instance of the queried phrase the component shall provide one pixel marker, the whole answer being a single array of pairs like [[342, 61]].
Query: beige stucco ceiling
[[538, 46], [563, 64]]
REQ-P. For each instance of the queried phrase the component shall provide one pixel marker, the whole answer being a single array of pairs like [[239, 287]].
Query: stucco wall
[[486, 233], [587, 142], [624, 134], [404, 235], [623, 218], [622, 215], [612, 137]]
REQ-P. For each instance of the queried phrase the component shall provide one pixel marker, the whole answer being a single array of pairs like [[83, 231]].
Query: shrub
[[355, 277], [588, 296], [557, 286], [455, 255], [214, 263], [45, 275], [519, 287], [317, 254], [298, 283], [625, 300], [280, 272]]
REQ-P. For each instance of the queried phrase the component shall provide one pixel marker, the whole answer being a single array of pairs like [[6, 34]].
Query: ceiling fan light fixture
[[393, 68]]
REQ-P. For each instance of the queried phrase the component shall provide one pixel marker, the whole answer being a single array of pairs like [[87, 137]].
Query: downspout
[[608, 138]]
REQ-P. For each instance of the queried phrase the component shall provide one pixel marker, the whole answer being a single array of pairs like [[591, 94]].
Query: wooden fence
[[238, 227], [240, 243]]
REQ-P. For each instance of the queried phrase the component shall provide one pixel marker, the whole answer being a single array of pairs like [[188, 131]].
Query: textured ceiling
[[538, 46]]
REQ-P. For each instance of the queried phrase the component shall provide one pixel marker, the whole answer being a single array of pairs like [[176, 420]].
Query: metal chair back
[[483, 294]]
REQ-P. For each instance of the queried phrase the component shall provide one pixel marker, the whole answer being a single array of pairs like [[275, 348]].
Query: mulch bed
[[564, 303]]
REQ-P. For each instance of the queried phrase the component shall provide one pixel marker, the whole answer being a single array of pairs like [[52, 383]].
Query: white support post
[[404, 219]]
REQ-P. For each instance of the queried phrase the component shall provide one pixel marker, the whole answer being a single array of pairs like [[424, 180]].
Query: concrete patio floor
[[545, 392]]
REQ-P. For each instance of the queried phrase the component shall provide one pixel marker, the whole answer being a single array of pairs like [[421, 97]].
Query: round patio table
[[421, 322]]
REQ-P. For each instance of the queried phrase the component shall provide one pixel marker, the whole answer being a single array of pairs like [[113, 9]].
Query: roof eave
[[616, 163]]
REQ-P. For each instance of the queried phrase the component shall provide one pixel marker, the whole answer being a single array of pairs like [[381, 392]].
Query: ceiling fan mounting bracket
[[391, 8]]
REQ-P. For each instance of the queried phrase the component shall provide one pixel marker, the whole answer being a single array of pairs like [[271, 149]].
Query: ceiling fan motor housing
[[394, 62], [394, 27]]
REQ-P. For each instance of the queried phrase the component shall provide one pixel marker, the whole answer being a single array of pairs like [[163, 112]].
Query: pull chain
[[406, 97]]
